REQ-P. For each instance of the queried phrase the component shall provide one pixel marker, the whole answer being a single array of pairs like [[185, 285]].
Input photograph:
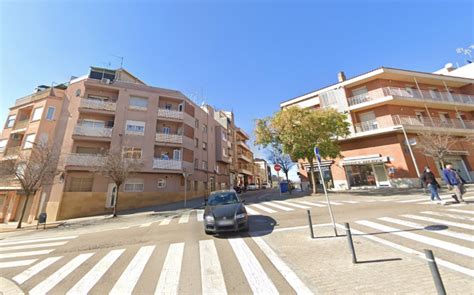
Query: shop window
[[360, 175]]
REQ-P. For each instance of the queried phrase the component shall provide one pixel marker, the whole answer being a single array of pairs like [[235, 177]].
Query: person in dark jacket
[[453, 179], [430, 182]]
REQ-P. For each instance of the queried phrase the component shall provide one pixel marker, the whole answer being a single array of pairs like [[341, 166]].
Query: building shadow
[[379, 260]]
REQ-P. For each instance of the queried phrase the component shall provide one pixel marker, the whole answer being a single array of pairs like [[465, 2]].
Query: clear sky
[[245, 56]]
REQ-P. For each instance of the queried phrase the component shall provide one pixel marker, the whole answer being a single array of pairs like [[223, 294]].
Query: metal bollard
[[310, 224], [435, 272], [351, 244]]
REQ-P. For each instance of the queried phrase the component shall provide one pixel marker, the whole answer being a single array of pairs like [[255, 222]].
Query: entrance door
[[459, 165], [381, 175], [213, 184], [111, 195]]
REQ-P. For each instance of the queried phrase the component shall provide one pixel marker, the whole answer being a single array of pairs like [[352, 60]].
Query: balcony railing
[[21, 124], [425, 95], [167, 164], [96, 104], [93, 131], [169, 138], [12, 151], [172, 114], [85, 160], [245, 157], [243, 144]]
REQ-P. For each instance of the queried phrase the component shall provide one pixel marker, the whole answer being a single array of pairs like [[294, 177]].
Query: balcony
[[170, 114], [85, 160], [167, 164], [245, 157], [169, 138], [95, 104], [101, 132], [243, 144], [21, 125], [412, 94], [12, 151], [245, 169]]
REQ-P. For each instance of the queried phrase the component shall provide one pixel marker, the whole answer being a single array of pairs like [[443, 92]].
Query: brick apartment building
[[112, 108], [383, 104]]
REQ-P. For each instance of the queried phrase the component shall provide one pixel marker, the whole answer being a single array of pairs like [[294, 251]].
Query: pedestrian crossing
[[426, 200], [59, 274]]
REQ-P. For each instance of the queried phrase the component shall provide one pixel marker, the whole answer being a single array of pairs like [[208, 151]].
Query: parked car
[[225, 212], [265, 186], [252, 187]]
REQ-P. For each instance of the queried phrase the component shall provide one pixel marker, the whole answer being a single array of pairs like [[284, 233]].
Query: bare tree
[[32, 169], [119, 166], [277, 156]]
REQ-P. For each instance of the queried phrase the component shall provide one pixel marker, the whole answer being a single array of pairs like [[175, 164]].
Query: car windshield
[[224, 198]]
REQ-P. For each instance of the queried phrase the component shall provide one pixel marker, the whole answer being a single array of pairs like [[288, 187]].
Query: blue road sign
[[316, 153]]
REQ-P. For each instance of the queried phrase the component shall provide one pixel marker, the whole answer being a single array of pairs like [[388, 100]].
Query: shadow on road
[[379, 260], [259, 225]]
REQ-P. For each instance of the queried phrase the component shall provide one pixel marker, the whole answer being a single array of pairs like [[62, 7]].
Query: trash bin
[[284, 187]]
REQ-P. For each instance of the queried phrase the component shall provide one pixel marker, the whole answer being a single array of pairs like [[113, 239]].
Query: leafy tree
[[299, 130]]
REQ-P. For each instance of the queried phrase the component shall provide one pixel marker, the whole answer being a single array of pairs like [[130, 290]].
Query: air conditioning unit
[[106, 81]]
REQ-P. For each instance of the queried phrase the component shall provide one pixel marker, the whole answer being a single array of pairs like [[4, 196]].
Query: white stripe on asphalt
[[19, 242], [30, 272], [411, 201], [132, 273], [16, 263], [169, 277], [440, 221], [48, 284], [448, 215], [331, 202], [184, 218], [211, 272], [251, 211], [279, 206], [286, 272], [263, 208], [258, 280], [200, 215], [26, 253], [352, 202], [93, 276], [461, 211], [292, 204], [167, 220], [310, 203], [44, 245], [146, 224], [444, 232], [439, 261], [419, 238]]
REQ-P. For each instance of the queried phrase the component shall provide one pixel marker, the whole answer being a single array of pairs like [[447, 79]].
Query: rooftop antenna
[[107, 64], [121, 59]]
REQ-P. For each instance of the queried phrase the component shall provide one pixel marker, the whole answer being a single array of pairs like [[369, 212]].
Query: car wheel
[[245, 229], [207, 232]]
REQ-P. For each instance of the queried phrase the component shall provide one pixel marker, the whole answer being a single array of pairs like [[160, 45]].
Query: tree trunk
[[287, 181], [116, 201], [23, 211], [313, 179], [442, 164]]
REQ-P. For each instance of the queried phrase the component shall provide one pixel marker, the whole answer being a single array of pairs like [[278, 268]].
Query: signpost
[[318, 159], [277, 168]]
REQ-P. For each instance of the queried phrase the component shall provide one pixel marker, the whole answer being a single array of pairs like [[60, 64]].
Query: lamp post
[[409, 148]]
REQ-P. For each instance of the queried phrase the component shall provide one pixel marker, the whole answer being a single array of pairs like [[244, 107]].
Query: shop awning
[[373, 159]]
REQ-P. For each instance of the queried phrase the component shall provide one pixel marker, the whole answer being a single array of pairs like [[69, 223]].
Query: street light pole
[[411, 151]]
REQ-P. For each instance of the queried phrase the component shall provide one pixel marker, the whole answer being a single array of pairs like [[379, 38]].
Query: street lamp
[[409, 148]]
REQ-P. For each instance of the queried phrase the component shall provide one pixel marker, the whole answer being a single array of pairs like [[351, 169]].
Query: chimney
[[341, 76]]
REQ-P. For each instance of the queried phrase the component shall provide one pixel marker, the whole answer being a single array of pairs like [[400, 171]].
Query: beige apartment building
[[181, 145], [387, 108]]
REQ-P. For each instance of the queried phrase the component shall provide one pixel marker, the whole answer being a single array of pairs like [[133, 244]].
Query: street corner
[[8, 287]]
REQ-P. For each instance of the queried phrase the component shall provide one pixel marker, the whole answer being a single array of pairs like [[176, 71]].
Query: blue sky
[[245, 56]]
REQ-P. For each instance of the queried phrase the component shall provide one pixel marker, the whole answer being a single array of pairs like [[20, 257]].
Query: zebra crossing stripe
[[93, 276], [279, 206], [185, 217], [212, 277], [21, 247], [411, 201], [440, 232], [48, 284], [309, 203], [30, 272], [293, 204], [19, 242], [286, 272], [352, 202], [461, 211], [132, 273], [263, 208], [448, 215], [419, 238], [167, 220], [146, 224], [251, 211], [16, 263], [26, 253], [168, 282], [332, 203], [440, 221], [258, 280], [200, 215]]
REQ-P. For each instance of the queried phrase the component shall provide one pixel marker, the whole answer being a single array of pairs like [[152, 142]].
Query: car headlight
[[209, 218], [241, 215]]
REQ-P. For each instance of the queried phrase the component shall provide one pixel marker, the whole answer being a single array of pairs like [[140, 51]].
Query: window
[[135, 127], [180, 107], [435, 93], [37, 114], [204, 128], [134, 185], [217, 169], [132, 153], [50, 113], [165, 130], [196, 183], [161, 183], [196, 163], [92, 123], [11, 121], [204, 145], [177, 155], [410, 91], [196, 123], [168, 106], [3, 144], [196, 142], [89, 150], [138, 103], [29, 140], [204, 165], [80, 184], [360, 91]]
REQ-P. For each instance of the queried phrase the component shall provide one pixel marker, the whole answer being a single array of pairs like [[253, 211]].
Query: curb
[[8, 287]]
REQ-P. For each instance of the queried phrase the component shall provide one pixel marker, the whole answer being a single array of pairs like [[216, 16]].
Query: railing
[[21, 124], [170, 114], [426, 95], [98, 104], [12, 151], [93, 131], [167, 164], [85, 160], [169, 138], [244, 157], [243, 144]]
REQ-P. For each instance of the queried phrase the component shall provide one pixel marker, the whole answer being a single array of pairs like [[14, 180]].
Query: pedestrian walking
[[454, 180], [429, 181]]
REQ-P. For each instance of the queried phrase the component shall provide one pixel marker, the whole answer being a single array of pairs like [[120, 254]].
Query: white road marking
[[44, 245], [419, 238], [279, 206], [411, 201], [212, 277], [167, 220], [93, 276], [251, 211], [292, 204], [16, 263], [19, 242], [26, 253], [444, 232], [170, 274], [263, 208], [185, 217], [258, 280], [48, 284], [310, 203], [286, 272], [421, 255], [440, 221], [200, 215], [449, 215], [331, 202], [30, 272], [353, 202], [146, 224], [461, 211], [132, 273]]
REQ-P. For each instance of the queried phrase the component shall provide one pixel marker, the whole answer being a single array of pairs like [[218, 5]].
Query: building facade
[[262, 172], [387, 108]]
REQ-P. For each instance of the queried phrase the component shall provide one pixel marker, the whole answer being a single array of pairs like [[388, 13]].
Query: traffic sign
[[277, 167], [316, 153]]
